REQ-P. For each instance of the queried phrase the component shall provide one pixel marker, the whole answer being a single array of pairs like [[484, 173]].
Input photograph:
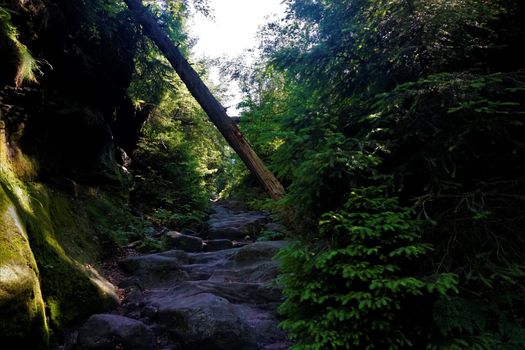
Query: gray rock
[[218, 244], [108, 332], [261, 272], [264, 328], [152, 270], [280, 345], [236, 228], [235, 292], [181, 256], [214, 295], [203, 321], [183, 242], [216, 257], [265, 250], [202, 265], [189, 232], [149, 262], [229, 224]]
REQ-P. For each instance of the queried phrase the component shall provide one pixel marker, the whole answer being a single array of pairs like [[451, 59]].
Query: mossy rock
[[66, 248], [48, 254], [22, 314]]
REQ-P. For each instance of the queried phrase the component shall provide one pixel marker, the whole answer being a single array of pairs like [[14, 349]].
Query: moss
[[112, 216], [49, 243], [65, 246], [22, 314]]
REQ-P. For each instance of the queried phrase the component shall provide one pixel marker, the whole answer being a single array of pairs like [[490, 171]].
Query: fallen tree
[[213, 108]]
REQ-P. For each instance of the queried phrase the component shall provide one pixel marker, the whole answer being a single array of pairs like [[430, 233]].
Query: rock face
[[223, 298]]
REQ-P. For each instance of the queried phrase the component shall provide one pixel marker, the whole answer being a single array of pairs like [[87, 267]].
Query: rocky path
[[217, 293]]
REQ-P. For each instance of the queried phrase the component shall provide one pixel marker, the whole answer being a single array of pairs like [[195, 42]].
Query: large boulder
[[264, 250], [183, 242], [263, 324], [217, 244], [203, 321], [109, 332], [153, 270], [235, 226]]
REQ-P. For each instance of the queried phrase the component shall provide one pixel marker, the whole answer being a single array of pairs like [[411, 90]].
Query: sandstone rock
[[108, 332], [184, 242]]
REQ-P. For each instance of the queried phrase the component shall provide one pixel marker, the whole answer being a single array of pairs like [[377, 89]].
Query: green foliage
[[268, 235], [97, 44], [65, 238], [169, 186], [350, 288], [22, 309], [180, 153], [64, 246], [465, 323], [15, 53], [111, 217], [427, 94]]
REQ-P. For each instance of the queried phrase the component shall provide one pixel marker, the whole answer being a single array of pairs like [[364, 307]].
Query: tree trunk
[[215, 111]]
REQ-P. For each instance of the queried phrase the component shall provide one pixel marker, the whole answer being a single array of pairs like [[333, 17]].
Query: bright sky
[[232, 30]]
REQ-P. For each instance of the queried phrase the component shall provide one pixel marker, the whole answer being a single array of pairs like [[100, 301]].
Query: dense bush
[[355, 285], [426, 94]]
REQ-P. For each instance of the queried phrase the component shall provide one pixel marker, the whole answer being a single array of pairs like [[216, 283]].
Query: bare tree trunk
[[215, 111]]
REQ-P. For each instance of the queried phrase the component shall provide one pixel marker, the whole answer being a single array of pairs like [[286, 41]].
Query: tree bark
[[215, 111]]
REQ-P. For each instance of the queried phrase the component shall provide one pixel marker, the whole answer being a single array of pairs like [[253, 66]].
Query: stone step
[[216, 293], [235, 292], [217, 244]]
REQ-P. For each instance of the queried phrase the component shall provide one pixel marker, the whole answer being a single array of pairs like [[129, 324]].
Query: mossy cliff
[[50, 245], [62, 191], [22, 313]]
